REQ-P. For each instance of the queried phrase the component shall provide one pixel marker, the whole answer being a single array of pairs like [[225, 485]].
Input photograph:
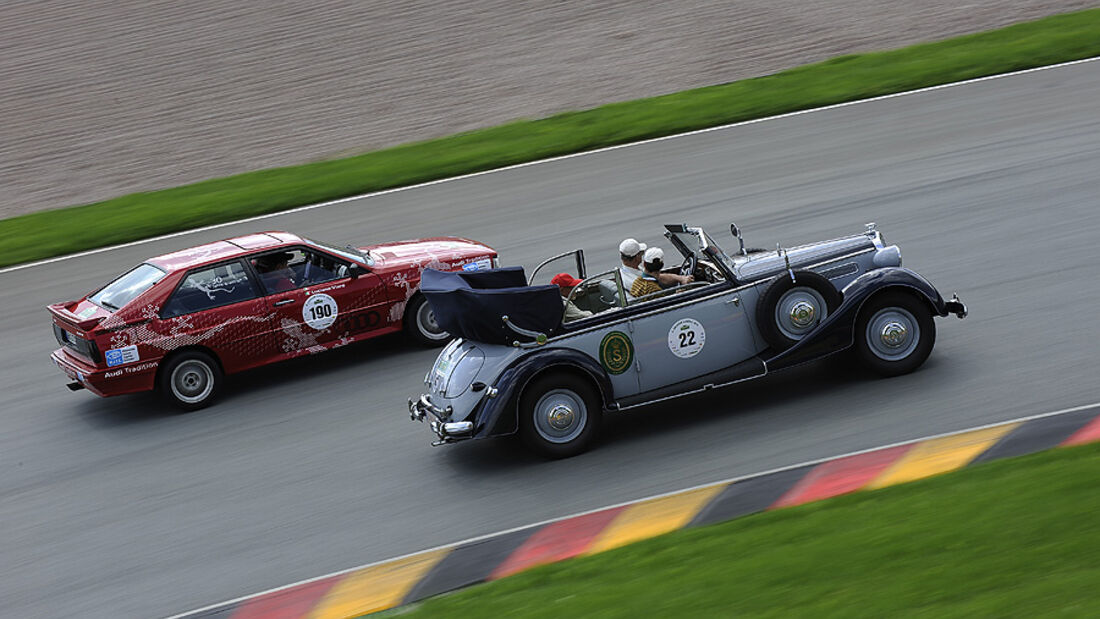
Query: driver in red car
[[274, 271]]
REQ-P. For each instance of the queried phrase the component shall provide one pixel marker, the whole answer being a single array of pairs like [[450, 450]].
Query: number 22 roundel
[[686, 338], [319, 311]]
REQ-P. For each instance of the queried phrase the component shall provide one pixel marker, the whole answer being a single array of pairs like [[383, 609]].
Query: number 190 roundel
[[320, 311], [179, 322]]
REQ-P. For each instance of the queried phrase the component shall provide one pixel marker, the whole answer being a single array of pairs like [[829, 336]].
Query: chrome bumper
[[448, 431], [955, 306], [418, 409]]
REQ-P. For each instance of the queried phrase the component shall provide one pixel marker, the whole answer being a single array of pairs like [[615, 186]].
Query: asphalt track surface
[[118, 507]]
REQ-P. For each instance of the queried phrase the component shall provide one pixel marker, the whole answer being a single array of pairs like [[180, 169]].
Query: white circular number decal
[[686, 338], [319, 311]]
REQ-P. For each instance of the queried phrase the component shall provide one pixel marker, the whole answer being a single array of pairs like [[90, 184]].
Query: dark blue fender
[[498, 416], [837, 332]]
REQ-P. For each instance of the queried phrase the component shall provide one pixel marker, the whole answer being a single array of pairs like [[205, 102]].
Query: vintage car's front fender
[[498, 416], [837, 331]]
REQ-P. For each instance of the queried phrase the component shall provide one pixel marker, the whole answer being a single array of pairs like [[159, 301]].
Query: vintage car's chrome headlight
[[887, 257]]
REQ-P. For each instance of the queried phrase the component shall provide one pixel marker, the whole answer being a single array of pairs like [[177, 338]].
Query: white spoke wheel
[[559, 415], [421, 324], [895, 333], [190, 380], [788, 310]]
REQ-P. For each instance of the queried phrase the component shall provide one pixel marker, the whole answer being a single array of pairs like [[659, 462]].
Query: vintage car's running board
[[746, 370]]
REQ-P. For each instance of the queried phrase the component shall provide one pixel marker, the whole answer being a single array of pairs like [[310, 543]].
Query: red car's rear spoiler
[[60, 311]]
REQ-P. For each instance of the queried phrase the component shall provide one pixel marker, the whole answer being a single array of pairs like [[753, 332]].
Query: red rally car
[[179, 322]]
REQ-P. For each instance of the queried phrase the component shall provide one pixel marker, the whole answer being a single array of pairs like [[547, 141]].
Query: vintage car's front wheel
[[788, 310], [190, 380], [559, 415], [421, 325], [895, 333]]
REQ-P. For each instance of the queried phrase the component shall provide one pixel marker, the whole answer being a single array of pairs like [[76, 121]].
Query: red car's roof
[[222, 250]]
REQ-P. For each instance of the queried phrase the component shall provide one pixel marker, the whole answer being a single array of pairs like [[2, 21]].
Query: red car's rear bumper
[[106, 382]]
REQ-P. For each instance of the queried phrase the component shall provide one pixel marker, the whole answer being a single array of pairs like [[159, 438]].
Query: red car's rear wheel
[[190, 380], [421, 325]]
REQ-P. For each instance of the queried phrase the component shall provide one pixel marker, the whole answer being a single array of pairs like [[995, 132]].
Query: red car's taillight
[[76, 343]]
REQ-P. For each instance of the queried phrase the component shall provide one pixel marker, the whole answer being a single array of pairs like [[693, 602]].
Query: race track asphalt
[[118, 507]]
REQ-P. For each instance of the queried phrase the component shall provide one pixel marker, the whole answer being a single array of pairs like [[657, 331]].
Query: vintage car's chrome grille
[[76, 343]]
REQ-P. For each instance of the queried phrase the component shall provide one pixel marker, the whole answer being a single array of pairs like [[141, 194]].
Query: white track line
[[531, 163], [731, 480]]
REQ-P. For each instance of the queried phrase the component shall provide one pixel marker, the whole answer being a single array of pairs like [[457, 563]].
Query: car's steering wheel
[[688, 267]]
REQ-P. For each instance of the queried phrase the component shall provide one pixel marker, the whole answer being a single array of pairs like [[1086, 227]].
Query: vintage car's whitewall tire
[[190, 380], [895, 333], [421, 325], [559, 415], [789, 310]]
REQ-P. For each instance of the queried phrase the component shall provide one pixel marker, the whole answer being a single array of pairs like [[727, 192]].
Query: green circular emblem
[[616, 352]]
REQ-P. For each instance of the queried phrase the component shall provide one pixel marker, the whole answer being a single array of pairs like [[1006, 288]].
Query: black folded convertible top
[[471, 304]]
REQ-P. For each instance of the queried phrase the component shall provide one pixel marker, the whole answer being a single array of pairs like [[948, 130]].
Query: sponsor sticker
[[328, 288], [118, 356], [320, 311], [686, 338], [86, 312], [477, 265], [133, 369], [616, 352]]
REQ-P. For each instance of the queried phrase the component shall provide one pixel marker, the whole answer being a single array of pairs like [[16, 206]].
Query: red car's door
[[315, 300], [219, 307]]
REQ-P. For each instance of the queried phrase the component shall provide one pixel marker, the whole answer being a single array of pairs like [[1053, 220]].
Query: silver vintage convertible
[[519, 365]]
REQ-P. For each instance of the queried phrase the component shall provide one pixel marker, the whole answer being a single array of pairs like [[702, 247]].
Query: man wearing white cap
[[630, 252], [651, 280]]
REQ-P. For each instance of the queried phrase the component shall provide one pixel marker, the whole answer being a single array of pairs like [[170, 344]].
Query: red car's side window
[[208, 288], [296, 268]]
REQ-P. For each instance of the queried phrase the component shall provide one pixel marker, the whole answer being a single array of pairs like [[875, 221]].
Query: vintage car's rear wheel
[[895, 333], [421, 325], [190, 380], [559, 415], [788, 310]]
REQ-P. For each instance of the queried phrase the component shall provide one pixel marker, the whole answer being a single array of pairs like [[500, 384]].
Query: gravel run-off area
[[101, 99]]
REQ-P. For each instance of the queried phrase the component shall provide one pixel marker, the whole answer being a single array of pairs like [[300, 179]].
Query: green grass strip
[[1011, 538], [1051, 40]]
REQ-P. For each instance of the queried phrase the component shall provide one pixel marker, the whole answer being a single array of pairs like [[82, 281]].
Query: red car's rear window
[[127, 287]]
